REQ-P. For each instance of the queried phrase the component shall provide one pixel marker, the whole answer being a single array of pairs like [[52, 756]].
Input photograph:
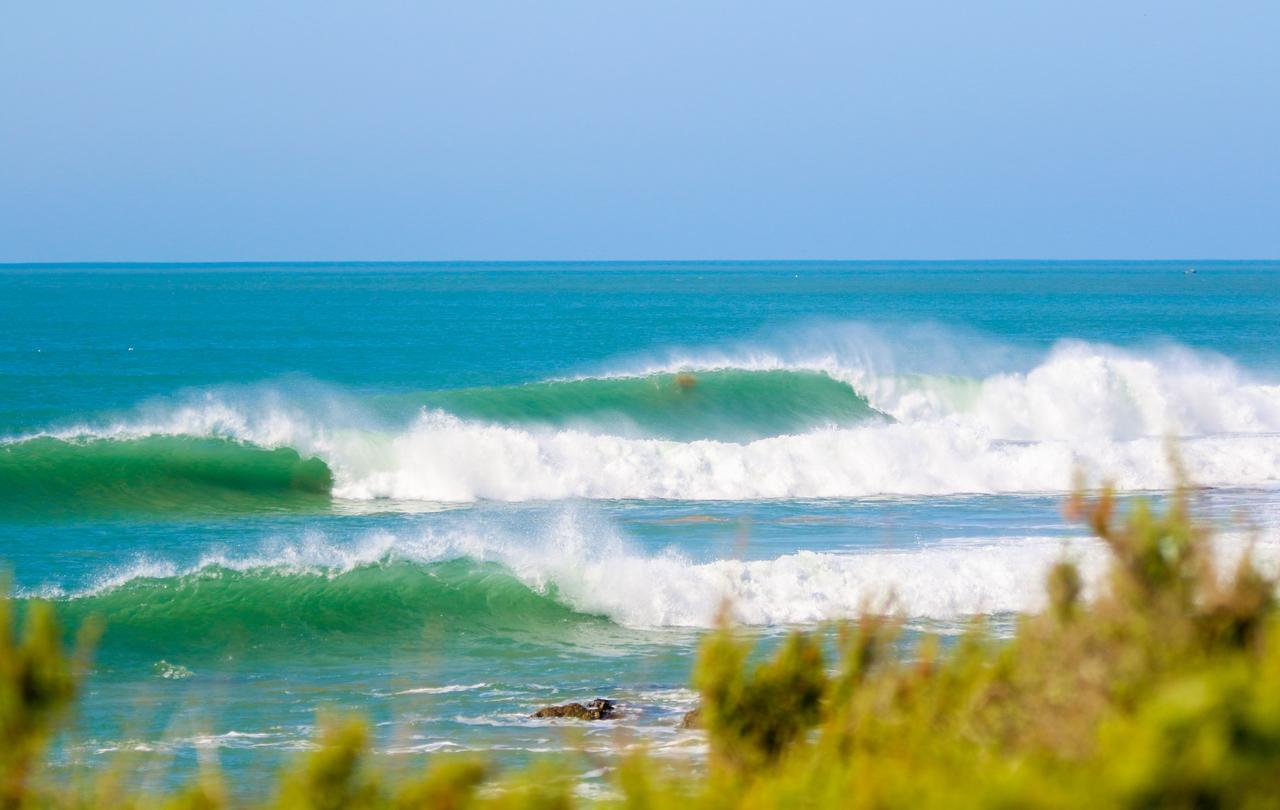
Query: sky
[[697, 129]]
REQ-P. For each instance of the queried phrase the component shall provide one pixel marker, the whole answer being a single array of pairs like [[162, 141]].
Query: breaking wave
[[723, 404], [570, 572], [49, 474], [832, 420]]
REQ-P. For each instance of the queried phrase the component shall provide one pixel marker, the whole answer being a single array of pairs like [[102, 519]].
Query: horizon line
[[448, 262]]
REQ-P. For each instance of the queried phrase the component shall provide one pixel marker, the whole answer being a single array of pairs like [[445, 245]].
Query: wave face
[[237, 607], [823, 418], [722, 404], [47, 473], [386, 599], [570, 572]]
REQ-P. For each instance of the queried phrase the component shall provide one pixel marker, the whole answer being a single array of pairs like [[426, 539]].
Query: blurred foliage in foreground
[[1161, 691]]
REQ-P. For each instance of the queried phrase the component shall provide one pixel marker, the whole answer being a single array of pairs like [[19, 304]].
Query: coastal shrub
[[1161, 689], [38, 682]]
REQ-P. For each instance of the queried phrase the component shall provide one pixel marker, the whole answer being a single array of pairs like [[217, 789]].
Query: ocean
[[444, 495]]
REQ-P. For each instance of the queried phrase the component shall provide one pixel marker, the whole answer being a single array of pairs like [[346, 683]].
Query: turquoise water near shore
[[445, 495]]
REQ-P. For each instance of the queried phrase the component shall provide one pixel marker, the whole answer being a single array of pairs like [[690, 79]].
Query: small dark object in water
[[692, 719], [598, 709], [685, 380], [1190, 271]]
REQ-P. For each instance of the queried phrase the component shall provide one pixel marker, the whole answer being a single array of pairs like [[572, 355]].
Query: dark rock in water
[[598, 709], [692, 719]]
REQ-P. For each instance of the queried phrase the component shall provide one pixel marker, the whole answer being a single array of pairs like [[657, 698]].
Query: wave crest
[[1085, 406], [47, 474], [722, 404], [397, 588]]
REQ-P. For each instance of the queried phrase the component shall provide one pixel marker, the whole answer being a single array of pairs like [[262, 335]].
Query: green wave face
[[47, 476], [275, 609], [731, 405]]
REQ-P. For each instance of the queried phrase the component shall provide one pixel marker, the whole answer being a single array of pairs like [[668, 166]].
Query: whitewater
[[1089, 409], [587, 566], [445, 496]]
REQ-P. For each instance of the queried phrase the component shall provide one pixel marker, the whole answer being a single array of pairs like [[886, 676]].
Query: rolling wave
[[50, 474], [729, 425], [256, 607], [573, 572], [722, 404]]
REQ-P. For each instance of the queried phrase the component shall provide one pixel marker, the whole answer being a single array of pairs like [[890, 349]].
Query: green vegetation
[[1163, 690]]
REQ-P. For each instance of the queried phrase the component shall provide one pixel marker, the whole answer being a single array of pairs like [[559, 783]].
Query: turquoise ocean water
[[446, 495]]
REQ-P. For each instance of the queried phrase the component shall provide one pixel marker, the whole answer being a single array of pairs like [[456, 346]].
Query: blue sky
[[190, 131]]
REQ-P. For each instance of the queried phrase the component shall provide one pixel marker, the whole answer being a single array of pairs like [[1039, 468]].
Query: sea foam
[[1082, 407], [586, 565]]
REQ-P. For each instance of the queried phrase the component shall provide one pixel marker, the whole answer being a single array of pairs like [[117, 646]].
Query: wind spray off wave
[[445, 497], [831, 421], [536, 577]]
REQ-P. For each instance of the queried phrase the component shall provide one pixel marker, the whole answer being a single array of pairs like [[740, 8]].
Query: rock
[[692, 719], [598, 709]]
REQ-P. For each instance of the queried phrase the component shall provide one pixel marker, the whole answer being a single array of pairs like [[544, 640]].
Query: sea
[[441, 496]]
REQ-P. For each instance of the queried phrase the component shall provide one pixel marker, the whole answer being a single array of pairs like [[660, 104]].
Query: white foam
[[441, 690], [1085, 406], [1103, 410], [590, 567], [1078, 388], [605, 576], [442, 458]]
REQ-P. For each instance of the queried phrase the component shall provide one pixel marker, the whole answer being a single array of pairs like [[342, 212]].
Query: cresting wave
[[572, 572], [827, 420], [250, 607], [48, 475], [725, 404]]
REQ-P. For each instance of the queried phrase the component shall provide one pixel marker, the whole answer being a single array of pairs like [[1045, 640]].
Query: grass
[[1161, 691]]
